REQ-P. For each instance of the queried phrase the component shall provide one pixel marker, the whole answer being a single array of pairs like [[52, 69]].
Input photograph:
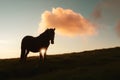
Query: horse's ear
[[54, 29]]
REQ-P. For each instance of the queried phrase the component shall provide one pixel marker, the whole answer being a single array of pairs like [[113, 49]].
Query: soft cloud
[[97, 13], [107, 6], [67, 22], [118, 28], [109, 12]]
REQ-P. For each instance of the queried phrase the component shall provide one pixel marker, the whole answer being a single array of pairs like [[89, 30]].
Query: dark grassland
[[101, 64]]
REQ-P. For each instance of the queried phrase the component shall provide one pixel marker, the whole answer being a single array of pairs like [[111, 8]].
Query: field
[[103, 64]]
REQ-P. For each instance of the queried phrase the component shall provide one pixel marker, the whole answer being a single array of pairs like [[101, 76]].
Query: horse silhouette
[[36, 44]]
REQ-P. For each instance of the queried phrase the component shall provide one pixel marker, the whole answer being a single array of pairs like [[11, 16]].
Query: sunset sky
[[80, 24]]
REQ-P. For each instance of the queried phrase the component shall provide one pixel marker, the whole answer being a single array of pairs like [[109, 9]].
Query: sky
[[80, 24]]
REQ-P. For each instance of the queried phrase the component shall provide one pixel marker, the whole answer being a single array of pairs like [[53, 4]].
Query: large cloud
[[67, 22]]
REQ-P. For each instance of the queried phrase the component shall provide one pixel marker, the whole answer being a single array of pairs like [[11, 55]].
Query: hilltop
[[102, 64]]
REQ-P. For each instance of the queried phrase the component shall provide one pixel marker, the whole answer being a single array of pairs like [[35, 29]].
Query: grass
[[101, 64]]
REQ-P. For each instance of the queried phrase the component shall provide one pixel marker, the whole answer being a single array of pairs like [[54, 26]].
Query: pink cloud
[[67, 22]]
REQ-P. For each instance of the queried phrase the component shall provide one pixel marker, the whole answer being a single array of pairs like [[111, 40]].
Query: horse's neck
[[43, 36]]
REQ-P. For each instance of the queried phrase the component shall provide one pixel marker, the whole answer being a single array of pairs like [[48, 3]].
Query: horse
[[36, 44]]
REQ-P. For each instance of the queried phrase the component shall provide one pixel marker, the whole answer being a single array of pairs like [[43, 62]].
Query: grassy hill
[[101, 64]]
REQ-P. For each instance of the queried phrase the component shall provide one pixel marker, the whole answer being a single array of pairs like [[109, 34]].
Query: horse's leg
[[22, 54], [45, 55], [27, 51], [41, 57]]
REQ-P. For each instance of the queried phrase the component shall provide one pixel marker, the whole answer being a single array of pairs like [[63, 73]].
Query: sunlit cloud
[[67, 22]]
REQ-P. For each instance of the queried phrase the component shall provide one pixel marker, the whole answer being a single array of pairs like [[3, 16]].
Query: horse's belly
[[33, 49]]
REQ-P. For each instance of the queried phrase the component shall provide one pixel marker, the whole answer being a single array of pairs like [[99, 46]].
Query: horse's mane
[[46, 32], [43, 33]]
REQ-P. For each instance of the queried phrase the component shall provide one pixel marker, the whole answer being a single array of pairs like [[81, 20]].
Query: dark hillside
[[101, 64]]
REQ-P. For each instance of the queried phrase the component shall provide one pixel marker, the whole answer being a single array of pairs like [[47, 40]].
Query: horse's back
[[26, 41]]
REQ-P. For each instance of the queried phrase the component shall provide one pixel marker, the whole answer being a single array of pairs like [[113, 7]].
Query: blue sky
[[19, 18]]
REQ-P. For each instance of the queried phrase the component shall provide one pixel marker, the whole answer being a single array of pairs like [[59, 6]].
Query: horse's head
[[51, 33]]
